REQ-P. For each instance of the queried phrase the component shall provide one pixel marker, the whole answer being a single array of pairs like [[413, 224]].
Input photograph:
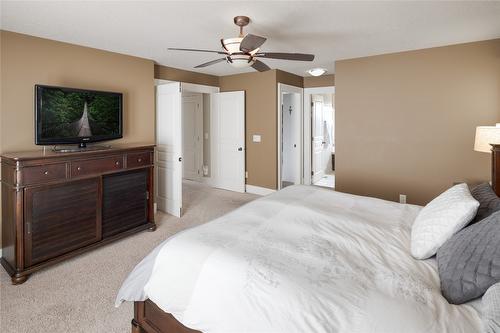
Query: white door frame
[[307, 128], [285, 88], [203, 89]]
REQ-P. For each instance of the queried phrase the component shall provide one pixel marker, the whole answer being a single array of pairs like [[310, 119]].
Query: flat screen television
[[68, 115]]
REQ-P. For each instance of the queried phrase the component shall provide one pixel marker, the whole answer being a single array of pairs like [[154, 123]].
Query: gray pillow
[[469, 262], [491, 309], [489, 202]]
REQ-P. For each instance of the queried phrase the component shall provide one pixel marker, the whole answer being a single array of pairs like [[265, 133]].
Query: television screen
[[67, 115]]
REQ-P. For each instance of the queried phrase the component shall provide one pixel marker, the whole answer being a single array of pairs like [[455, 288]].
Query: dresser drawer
[[138, 159], [97, 165], [43, 174]]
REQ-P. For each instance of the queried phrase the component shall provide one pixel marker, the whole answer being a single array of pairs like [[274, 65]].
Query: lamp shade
[[485, 137]]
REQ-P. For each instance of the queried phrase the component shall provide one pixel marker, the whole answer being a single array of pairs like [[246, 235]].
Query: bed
[[304, 259]]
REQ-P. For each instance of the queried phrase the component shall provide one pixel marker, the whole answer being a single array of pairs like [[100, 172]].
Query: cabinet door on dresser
[[125, 201], [61, 218]]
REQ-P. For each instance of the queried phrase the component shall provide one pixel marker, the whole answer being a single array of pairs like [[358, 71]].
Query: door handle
[[180, 159], [240, 149]]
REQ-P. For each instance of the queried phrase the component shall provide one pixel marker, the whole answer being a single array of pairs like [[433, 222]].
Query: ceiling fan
[[244, 51]]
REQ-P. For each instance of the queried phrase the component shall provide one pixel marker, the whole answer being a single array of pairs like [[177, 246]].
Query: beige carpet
[[78, 295]]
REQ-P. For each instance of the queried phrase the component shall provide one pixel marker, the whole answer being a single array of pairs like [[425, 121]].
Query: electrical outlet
[[402, 198]]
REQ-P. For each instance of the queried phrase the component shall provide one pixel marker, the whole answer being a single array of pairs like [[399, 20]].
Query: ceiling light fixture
[[317, 71]]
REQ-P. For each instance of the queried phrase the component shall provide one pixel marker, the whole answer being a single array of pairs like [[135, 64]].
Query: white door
[[169, 148], [318, 137], [192, 145], [228, 140]]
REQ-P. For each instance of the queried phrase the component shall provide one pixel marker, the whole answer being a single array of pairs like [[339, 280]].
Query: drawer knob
[[79, 168], [139, 160], [46, 173], [117, 163]]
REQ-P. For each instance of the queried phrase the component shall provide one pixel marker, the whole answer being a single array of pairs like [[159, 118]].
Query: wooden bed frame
[[149, 318]]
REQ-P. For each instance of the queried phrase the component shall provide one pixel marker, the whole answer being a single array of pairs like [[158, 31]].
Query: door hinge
[[147, 195], [28, 228], [312, 173]]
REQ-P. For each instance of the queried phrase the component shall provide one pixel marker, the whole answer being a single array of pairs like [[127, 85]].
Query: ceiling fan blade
[[251, 42], [260, 66], [286, 56], [195, 50], [211, 62]]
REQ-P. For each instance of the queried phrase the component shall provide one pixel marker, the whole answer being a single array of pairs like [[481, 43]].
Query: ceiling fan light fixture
[[241, 60], [236, 58], [232, 45], [244, 51], [317, 71]]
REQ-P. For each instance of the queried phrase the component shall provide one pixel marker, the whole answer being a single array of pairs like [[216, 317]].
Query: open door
[[318, 137], [228, 140], [169, 148]]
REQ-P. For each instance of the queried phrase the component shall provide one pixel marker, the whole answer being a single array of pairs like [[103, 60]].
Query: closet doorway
[[319, 137], [322, 140], [290, 114], [200, 136]]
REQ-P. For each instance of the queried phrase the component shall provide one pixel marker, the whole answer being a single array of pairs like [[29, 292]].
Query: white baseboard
[[259, 190]]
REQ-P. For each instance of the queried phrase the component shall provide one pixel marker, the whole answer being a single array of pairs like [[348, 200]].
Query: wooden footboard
[[149, 318]]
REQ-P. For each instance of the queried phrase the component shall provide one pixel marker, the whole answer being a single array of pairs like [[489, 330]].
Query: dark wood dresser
[[57, 205]]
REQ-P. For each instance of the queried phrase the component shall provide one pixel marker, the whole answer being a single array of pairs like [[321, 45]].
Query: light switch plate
[[256, 138]]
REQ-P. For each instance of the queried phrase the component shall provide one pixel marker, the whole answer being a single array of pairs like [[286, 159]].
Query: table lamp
[[488, 141]]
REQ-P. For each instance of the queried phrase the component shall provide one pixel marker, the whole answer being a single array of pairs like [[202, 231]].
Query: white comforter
[[303, 259]]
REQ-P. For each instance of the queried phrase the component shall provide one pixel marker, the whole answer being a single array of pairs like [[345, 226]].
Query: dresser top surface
[[48, 153]]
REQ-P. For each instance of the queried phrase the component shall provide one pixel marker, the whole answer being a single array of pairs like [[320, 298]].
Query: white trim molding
[[258, 190], [307, 160], [285, 88]]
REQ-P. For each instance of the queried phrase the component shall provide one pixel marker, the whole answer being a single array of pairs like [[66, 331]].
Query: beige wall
[[260, 118], [405, 122], [26, 61], [289, 78], [319, 81], [174, 74]]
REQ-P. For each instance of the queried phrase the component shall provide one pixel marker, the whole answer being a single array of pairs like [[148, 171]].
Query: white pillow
[[440, 219]]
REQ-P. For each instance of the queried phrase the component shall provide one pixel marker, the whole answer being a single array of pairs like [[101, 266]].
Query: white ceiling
[[330, 30]]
